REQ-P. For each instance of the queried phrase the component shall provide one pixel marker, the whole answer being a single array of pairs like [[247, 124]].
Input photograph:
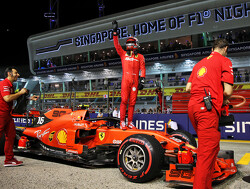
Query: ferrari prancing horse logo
[[101, 136]]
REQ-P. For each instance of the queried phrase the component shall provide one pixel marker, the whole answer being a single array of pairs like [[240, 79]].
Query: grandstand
[[173, 35]]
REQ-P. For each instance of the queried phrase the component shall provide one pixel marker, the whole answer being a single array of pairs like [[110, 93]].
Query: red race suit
[[209, 73], [131, 65], [7, 125]]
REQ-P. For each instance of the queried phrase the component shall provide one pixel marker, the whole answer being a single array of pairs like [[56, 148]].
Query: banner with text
[[117, 93], [239, 131]]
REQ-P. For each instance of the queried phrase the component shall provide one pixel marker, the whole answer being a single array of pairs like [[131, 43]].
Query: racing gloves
[[141, 83], [115, 27]]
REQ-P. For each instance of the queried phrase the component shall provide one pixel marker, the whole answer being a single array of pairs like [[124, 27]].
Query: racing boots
[[123, 125], [131, 125]]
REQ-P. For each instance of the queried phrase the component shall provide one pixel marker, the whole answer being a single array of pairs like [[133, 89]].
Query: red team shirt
[[209, 73], [6, 88]]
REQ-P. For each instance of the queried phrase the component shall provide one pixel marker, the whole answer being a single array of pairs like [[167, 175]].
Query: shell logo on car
[[62, 136]]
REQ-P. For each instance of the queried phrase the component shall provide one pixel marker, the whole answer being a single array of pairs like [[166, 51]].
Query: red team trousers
[[7, 126], [206, 125]]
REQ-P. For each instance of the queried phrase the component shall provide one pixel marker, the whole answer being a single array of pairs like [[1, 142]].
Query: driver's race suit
[[131, 65]]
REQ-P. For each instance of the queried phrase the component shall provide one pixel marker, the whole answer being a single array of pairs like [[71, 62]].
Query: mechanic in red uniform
[[7, 125], [159, 93], [132, 63], [214, 74]]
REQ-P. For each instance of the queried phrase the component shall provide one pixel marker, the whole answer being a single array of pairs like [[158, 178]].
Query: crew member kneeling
[[211, 84], [132, 63]]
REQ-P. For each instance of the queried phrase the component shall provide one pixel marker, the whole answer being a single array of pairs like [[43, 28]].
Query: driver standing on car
[[132, 63], [211, 85], [7, 125]]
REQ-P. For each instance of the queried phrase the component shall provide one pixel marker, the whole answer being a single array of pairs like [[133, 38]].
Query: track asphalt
[[44, 172]]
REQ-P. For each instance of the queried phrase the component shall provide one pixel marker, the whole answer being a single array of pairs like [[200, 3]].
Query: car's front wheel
[[140, 158]]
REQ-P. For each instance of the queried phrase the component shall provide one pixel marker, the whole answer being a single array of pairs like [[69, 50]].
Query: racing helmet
[[132, 44]]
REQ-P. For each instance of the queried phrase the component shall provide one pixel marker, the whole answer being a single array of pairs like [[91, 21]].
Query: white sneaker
[[123, 125], [131, 125]]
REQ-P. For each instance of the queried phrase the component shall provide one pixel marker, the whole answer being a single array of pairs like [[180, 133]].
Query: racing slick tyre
[[185, 137], [140, 158]]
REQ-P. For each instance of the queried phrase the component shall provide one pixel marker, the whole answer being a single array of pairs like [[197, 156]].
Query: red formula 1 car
[[141, 155]]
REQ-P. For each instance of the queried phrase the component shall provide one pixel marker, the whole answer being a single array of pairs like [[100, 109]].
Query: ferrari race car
[[140, 155]]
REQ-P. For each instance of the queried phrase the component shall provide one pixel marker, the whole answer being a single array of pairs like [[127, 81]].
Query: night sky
[[20, 19]]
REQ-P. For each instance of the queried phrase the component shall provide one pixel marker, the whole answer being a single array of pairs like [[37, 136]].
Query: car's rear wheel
[[140, 158]]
